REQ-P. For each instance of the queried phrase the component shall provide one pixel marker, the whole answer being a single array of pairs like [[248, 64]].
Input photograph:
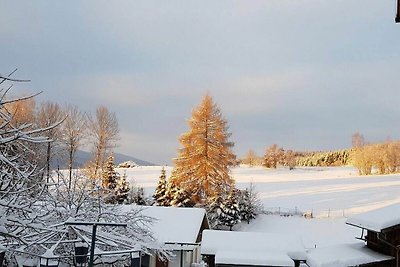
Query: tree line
[[368, 158], [381, 158], [68, 129]]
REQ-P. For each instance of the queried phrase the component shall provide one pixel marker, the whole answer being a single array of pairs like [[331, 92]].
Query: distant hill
[[83, 156]]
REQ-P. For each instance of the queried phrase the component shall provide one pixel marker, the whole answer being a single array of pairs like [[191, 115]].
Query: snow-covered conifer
[[169, 194], [122, 189], [181, 198], [230, 215], [110, 176], [161, 189], [214, 211], [138, 196], [247, 210]]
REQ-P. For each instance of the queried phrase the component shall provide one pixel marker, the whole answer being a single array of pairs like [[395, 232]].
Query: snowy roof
[[215, 242], [344, 255], [174, 225], [377, 220], [253, 258]]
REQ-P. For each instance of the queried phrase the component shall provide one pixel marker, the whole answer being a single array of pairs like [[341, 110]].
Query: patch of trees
[[74, 129], [251, 159], [380, 158], [276, 156], [201, 174], [223, 211], [32, 201], [324, 158], [383, 158]]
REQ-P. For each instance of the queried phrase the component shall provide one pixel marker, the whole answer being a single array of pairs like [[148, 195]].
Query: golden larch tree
[[202, 165]]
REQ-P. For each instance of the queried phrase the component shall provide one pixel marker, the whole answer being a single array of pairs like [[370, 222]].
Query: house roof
[[253, 258], [344, 255], [377, 220], [244, 244], [174, 225]]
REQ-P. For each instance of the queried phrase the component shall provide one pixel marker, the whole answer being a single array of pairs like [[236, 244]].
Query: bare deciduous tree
[[357, 140], [273, 156], [50, 114], [19, 190], [251, 158], [74, 131], [22, 111], [103, 130], [289, 159]]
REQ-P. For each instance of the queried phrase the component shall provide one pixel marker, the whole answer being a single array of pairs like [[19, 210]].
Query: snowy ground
[[327, 192], [332, 194]]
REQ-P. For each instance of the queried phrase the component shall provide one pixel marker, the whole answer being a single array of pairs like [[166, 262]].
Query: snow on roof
[[174, 225], [215, 242], [344, 255], [253, 258], [378, 219]]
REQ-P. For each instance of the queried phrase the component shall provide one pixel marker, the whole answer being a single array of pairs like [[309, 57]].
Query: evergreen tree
[[230, 211], [122, 190], [202, 165], [181, 198], [247, 209], [169, 195], [139, 198], [161, 189], [109, 180], [110, 176], [214, 211]]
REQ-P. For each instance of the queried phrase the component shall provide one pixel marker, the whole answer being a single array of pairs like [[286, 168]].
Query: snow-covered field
[[327, 192], [332, 194]]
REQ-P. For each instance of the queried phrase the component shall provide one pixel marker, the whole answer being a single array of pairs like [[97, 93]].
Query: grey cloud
[[304, 74]]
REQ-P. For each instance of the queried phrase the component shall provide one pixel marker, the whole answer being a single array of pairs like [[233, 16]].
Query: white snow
[[343, 256], [331, 194], [377, 220], [174, 225], [319, 232], [215, 242], [326, 191], [253, 258], [26, 261]]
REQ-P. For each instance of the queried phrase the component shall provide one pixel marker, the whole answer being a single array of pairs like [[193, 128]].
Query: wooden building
[[353, 254], [380, 230], [180, 230], [245, 249]]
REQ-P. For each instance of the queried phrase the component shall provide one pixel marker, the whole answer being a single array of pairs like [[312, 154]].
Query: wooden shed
[[245, 249], [380, 229], [180, 230]]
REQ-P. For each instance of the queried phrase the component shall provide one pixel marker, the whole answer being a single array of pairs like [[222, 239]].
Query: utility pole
[[94, 229], [398, 12]]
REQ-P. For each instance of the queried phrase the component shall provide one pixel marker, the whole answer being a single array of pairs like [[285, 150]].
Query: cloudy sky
[[305, 74]]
